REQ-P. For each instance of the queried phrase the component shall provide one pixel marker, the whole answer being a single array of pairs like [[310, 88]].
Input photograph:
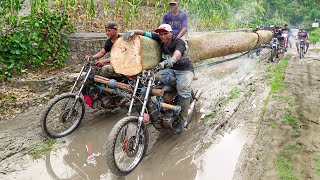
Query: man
[[277, 32], [177, 19], [302, 35], [112, 32], [286, 32], [175, 64]]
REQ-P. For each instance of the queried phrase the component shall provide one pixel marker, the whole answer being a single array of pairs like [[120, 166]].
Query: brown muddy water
[[171, 157], [199, 153]]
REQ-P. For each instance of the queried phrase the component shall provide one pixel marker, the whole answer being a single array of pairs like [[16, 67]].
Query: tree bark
[[142, 53]]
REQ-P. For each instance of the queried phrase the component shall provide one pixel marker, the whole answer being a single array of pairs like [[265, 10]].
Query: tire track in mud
[[302, 79], [215, 82]]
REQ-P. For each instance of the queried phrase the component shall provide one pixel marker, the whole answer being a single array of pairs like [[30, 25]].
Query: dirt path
[[239, 102], [286, 145]]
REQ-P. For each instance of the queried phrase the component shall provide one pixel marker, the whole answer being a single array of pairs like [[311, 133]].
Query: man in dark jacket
[[175, 64]]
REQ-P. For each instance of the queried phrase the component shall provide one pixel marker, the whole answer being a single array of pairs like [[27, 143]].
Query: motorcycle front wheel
[[301, 52], [273, 54], [62, 115], [122, 157]]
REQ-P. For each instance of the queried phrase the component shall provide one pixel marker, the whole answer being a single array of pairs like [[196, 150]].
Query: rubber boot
[[185, 104]]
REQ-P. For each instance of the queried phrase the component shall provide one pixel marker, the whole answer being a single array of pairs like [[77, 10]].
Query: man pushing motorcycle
[[175, 65]]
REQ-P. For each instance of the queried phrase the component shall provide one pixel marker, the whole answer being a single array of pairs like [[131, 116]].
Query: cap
[[163, 28], [173, 1], [111, 25]]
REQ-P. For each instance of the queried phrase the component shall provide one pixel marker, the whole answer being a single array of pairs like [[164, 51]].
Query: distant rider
[[287, 32], [304, 36]]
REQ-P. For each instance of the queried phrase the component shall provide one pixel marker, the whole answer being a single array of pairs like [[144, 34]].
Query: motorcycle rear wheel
[[120, 146], [301, 52], [62, 115]]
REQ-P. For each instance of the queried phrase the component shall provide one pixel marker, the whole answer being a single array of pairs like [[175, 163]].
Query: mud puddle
[[191, 155], [182, 157], [219, 160]]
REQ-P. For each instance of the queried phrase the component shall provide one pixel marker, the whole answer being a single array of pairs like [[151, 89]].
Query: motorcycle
[[128, 140], [64, 113], [274, 49], [302, 47], [285, 41]]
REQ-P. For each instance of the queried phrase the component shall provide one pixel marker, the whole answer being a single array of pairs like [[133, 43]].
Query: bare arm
[[182, 32], [177, 54], [98, 55]]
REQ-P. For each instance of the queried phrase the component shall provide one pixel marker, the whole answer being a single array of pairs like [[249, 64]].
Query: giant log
[[131, 57]]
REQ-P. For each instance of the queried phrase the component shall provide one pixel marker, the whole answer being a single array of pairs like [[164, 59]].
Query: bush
[[33, 41], [314, 35]]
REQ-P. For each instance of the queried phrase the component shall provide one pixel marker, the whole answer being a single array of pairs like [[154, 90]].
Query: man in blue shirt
[[177, 19]]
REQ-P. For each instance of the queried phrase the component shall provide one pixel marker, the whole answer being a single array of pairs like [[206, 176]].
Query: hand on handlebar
[[89, 58], [102, 62]]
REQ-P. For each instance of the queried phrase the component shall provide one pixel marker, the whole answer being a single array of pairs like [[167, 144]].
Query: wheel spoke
[[64, 116]]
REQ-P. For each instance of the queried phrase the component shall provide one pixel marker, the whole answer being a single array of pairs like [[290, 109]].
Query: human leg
[[184, 79]]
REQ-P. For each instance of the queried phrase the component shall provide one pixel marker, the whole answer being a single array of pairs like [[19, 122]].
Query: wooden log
[[210, 45], [130, 58], [142, 53], [263, 37]]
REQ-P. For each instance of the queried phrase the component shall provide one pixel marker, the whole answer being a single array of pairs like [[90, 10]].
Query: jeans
[[183, 80]]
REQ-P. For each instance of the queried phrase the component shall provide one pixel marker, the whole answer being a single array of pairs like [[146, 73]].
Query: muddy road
[[223, 142]]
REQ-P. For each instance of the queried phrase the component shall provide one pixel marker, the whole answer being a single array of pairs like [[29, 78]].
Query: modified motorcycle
[[128, 140], [65, 112]]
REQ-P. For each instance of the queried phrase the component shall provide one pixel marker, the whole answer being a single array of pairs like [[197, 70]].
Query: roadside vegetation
[[39, 151], [36, 40], [285, 163], [285, 105]]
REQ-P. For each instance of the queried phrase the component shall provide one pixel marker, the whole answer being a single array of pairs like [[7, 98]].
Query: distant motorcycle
[[64, 113], [128, 140], [285, 41], [274, 49], [302, 47]]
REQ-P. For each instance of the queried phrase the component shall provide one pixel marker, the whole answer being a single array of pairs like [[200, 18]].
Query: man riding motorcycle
[[277, 33], [112, 32], [286, 33], [304, 36], [175, 64]]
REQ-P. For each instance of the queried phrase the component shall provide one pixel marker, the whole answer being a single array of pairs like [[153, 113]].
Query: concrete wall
[[81, 44]]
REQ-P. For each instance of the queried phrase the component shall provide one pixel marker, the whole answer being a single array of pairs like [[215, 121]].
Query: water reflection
[[220, 160]]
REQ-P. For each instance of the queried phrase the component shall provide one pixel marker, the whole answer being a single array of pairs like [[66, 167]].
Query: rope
[[101, 87], [219, 62], [112, 83], [158, 102]]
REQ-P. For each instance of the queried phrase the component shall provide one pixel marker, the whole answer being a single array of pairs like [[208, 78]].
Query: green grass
[[233, 94], [4, 101], [292, 120], [43, 148], [285, 163], [314, 49], [264, 108], [317, 162], [210, 117], [277, 75]]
